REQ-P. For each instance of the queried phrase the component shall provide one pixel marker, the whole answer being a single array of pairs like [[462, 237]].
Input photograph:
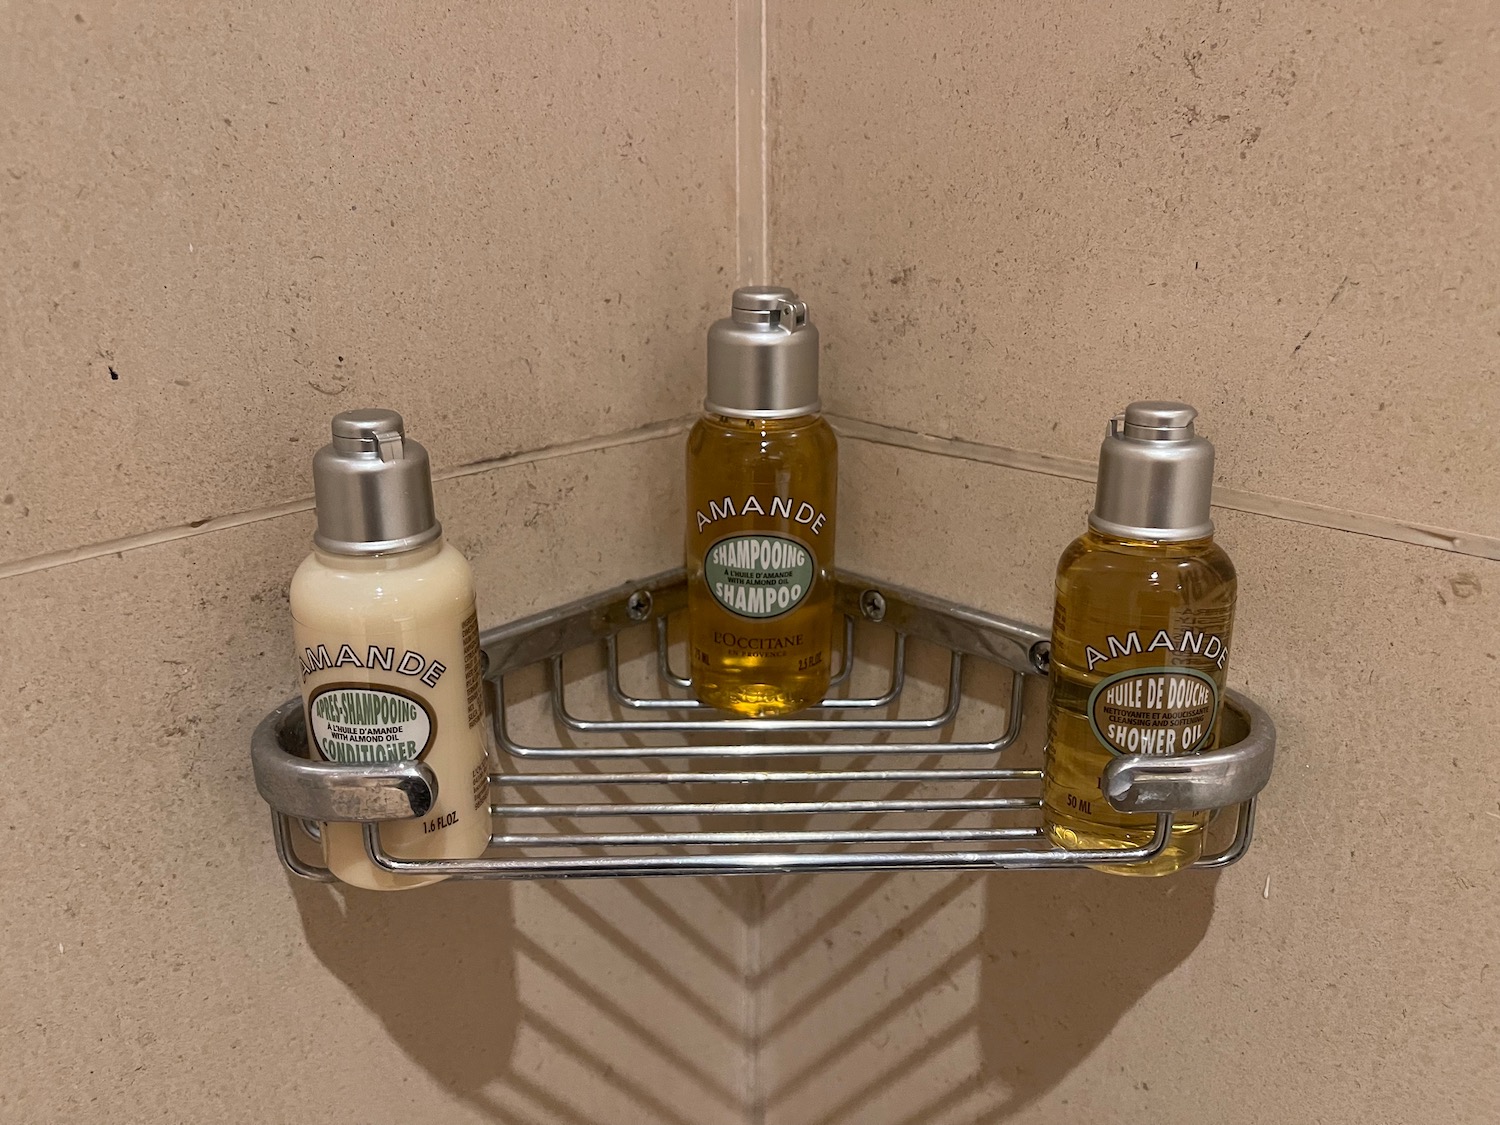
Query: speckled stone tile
[[157, 965], [222, 225], [1343, 972], [1009, 221]]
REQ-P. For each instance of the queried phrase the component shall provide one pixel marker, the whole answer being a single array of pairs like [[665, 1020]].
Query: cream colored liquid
[[1169, 608], [761, 495], [414, 611]]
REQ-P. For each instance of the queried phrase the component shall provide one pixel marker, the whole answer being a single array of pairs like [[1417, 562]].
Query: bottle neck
[[1095, 537], [761, 422], [365, 564]]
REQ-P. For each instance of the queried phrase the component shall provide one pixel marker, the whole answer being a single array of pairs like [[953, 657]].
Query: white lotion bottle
[[387, 640]]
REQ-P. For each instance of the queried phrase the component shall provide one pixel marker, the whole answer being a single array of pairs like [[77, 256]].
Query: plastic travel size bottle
[[1140, 635], [762, 478], [388, 645]]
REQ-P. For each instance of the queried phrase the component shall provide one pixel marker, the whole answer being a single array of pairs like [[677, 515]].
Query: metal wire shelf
[[975, 814]]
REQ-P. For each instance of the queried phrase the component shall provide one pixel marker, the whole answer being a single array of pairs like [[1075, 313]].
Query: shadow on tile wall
[[453, 1011], [906, 999], [632, 981], [1065, 955], [461, 1015], [1022, 994]]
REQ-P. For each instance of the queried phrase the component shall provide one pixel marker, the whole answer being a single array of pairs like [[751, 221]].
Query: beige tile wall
[[1010, 220], [513, 224], [508, 221], [1342, 973], [156, 963]]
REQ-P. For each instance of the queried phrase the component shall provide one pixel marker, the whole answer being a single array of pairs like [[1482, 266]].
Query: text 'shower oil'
[[1140, 635], [762, 472]]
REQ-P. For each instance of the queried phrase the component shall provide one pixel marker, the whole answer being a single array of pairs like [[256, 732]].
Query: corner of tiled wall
[[225, 226]]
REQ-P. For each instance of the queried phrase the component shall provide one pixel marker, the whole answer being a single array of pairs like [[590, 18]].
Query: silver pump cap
[[1155, 475], [373, 487], [763, 358]]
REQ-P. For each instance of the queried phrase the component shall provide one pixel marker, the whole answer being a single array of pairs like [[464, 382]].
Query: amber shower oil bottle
[[762, 477], [1140, 634]]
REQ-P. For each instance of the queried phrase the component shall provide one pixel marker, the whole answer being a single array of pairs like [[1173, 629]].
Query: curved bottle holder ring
[[304, 792]]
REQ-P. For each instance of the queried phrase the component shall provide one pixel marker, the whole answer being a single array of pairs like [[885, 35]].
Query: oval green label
[[759, 576], [355, 724], [1154, 711]]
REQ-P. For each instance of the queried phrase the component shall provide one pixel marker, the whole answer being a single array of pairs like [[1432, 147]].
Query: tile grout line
[[765, 145], [652, 432], [739, 155], [753, 227], [1045, 464], [753, 1095], [751, 223], [1232, 499]]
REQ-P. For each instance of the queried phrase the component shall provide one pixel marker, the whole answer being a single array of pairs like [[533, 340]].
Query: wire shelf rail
[[764, 795]]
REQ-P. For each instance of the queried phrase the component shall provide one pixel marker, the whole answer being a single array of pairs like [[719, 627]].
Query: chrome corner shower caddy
[[762, 795]]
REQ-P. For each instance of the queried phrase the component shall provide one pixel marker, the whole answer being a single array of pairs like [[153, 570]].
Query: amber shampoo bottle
[[762, 476]]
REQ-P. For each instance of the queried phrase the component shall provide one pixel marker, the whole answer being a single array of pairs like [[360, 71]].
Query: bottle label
[[1154, 711], [473, 667], [358, 724], [759, 576]]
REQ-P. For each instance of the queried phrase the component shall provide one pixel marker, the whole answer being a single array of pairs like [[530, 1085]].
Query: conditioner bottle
[[762, 473], [388, 644], [1140, 635]]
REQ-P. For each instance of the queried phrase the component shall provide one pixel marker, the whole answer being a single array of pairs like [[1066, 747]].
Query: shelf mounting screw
[[872, 605], [1041, 656], [638, 605]]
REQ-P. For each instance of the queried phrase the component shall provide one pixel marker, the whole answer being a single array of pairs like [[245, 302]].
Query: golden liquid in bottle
[[760, 535], [1160, 602]]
